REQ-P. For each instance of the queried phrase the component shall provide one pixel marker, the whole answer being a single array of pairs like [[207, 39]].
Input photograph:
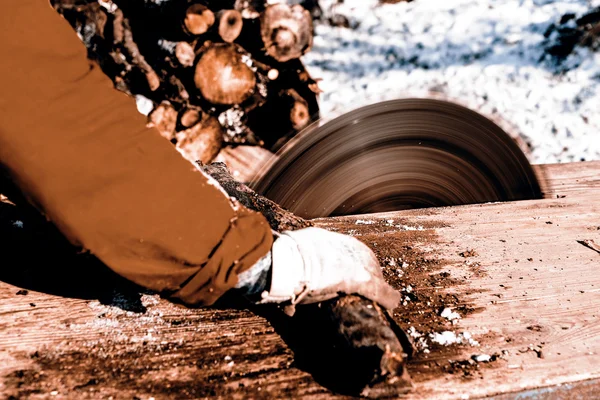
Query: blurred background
[[218, 76], [533, 64]]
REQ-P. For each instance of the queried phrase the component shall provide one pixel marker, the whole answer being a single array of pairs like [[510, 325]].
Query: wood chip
[[590, 244], [4, 199]]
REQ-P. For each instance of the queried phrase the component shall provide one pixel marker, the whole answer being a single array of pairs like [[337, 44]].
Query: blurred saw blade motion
[[396, 155]]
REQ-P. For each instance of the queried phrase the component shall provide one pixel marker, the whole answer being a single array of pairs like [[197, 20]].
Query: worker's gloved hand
[[312, 264]]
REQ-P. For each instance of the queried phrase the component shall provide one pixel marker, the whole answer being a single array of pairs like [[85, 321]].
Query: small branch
[[123, 35]]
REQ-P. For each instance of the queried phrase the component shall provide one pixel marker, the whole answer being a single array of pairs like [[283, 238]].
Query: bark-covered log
[[235, 60], [123, 39], [365, 346], [278, 218]]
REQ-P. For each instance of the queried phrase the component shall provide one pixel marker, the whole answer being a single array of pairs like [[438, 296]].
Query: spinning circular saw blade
[[395, 155]]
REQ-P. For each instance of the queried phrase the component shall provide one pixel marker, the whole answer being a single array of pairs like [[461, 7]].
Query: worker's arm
[[83, 155]]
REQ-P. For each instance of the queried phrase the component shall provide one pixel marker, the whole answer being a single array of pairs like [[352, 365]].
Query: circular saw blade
[[395, 155]]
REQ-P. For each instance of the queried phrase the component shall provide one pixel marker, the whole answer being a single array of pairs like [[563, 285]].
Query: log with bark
[[236, 62], [350, 344]]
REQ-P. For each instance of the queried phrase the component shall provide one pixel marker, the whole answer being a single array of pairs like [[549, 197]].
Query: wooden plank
[[534, 284], [523, 287]]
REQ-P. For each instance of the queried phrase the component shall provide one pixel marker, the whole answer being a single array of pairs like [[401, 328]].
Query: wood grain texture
[[535, 284], [535, 289]]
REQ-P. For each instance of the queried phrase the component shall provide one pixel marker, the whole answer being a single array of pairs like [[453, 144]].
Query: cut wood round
[[287, 32], [164, 119], [202, 142], [299, 113], [229, 24], [222, 76], [198, 19], [208, 55], [185, 54], [190, 117]]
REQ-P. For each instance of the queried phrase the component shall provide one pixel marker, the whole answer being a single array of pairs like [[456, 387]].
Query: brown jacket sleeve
[[82, 154]]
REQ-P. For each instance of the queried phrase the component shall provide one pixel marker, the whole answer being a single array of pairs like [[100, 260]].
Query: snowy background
[[484, 54]]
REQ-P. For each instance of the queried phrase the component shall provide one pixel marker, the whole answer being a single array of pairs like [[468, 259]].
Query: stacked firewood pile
[[219, 73]]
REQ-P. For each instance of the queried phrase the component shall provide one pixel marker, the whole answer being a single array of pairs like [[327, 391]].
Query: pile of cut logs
[[219, 73]]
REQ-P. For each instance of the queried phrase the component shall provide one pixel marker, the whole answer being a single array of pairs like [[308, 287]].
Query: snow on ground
[[482, 53]]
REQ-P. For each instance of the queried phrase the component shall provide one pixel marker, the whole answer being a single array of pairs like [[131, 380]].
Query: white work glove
[[311, 265]]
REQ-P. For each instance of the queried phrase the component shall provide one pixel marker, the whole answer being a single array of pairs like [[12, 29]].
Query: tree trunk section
[[368, 345]]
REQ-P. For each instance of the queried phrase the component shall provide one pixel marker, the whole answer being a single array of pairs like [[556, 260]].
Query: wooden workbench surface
[[526, 289]]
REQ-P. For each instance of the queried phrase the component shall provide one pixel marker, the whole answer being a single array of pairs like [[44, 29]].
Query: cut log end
[[202, 142], [299, 113], [164, 119], [222, 76], [185, 54], [286, 31], [244, 162], [230, 25], [198, 19], [190, 117]]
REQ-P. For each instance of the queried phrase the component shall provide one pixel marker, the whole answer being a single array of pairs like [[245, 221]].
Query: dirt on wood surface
[[109, 339], [368, 347], [137, 345], [434, 301]]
